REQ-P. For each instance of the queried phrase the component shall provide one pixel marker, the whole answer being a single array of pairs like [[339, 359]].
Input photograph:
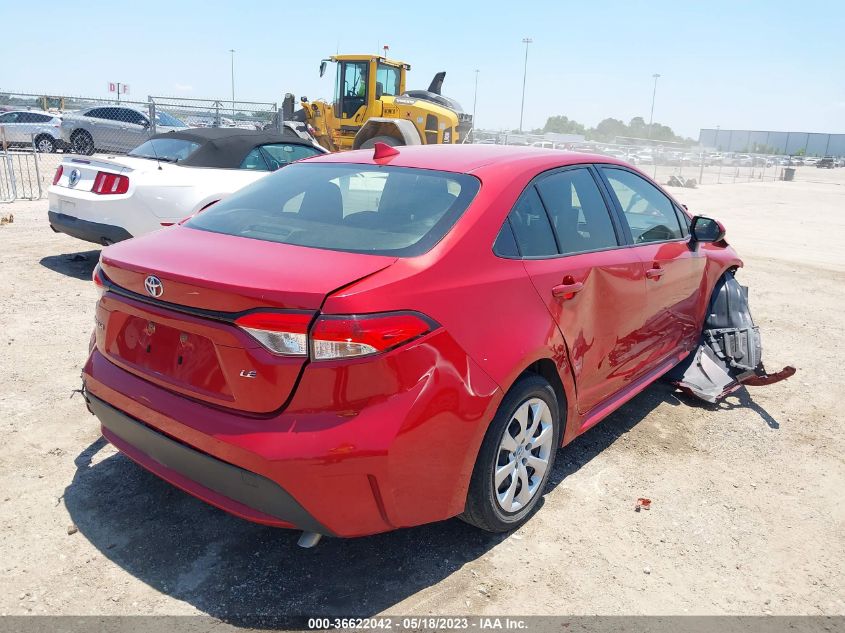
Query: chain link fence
[[36, 130], [677, 165]]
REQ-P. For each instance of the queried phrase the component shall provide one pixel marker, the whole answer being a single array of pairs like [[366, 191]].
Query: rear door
[[594, 290], [674, 271], [12, 127]]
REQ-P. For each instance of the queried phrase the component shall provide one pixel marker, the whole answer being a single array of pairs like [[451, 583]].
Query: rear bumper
[[205, 476], [103, 234], [358, 450]]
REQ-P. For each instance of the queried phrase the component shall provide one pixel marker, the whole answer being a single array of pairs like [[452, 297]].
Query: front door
[[351, 96], [674, 271], [594, 289]]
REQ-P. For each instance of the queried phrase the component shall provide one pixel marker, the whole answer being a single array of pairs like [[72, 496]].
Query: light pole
[[653, 94], [526, 41], [232, 51], [474, 101]]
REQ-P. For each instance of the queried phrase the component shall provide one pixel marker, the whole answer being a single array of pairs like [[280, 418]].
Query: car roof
[[32, 111], [226, 148], [470, 158]]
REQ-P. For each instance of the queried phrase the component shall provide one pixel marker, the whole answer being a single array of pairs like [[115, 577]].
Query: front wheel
[[516, 457]]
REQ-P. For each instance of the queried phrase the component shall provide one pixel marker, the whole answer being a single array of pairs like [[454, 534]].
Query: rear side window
[[280, 154], [649, 213], [531, 227], [254, 161], [358, 208], [167, 149], [578, 212]]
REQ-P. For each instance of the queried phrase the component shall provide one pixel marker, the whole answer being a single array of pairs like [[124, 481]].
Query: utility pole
[[474, 101], [232, 51], [526, 41], [653, 94]]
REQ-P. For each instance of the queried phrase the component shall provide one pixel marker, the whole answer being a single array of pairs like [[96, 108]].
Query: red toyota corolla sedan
[[379, 339]]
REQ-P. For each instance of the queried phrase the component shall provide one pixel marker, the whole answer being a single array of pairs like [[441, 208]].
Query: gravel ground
[[746, 514]]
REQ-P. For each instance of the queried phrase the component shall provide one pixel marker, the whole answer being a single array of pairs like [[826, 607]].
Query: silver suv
[[112, 128], [25, 127]]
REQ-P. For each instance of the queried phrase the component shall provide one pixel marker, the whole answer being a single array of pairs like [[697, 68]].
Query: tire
[[370, 143], [82, 143], [499, 508], [45, 144]]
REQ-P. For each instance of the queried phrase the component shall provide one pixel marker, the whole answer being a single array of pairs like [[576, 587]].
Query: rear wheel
[[516, 457], [45, 144], [82, 143], [387, 140]]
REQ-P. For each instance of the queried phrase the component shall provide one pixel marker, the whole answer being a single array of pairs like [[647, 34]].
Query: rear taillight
[[334, 337], [97, 278], [284, 333], [106, 183], [58, 174]]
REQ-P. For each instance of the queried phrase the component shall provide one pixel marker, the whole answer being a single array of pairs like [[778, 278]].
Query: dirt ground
[[746, 518]]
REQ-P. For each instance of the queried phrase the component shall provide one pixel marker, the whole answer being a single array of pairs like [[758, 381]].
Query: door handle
[[567, 291], [656, 272]]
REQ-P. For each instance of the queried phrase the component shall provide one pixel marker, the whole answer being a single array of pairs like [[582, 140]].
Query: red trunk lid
[[201, 353]]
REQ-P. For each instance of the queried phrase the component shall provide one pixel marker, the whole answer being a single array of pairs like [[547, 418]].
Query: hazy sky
[[758, 64]]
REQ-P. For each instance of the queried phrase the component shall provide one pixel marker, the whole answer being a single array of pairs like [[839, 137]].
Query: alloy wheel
[[523, 455]]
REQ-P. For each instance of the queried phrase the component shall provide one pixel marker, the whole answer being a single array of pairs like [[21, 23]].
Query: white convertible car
[[106, 199]]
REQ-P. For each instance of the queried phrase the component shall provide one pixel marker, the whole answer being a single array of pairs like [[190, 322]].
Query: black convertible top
[[226, 148]]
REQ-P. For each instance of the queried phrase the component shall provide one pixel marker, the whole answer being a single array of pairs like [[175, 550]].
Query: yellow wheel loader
[[372, 106]]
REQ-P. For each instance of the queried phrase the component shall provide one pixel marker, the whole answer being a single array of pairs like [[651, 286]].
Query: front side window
[[578, 212], [379, 210], [388, 77], [171, 150], [254, 161], [648, 212], [531, 228], [131, 116]]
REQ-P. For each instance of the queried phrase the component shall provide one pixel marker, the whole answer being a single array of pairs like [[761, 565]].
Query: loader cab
[[360, 82]]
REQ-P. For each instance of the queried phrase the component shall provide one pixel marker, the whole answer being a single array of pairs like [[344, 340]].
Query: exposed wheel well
[[546, 368]]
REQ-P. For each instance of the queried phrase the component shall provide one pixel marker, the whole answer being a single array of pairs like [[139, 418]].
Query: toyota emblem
[[154, 286], [73, 178]]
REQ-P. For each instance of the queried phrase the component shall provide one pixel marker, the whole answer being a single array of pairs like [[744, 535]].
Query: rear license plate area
[[183, 357]]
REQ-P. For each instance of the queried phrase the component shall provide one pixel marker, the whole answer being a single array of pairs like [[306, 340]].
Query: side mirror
[[704, 229], [379, 90], [322, 68]]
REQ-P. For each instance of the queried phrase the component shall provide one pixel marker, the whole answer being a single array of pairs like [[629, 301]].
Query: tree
[[563, 125]]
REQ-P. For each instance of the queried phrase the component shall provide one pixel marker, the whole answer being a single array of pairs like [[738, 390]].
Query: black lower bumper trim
[[238, 484], [96, 232]]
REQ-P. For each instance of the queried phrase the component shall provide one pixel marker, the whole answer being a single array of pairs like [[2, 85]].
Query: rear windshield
[[357, 208], [171, 150]]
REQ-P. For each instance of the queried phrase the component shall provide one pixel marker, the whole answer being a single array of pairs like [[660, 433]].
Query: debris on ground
[[642, 504], [7, 219]]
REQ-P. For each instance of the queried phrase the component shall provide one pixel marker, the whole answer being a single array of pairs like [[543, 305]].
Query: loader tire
[[370, 143]]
